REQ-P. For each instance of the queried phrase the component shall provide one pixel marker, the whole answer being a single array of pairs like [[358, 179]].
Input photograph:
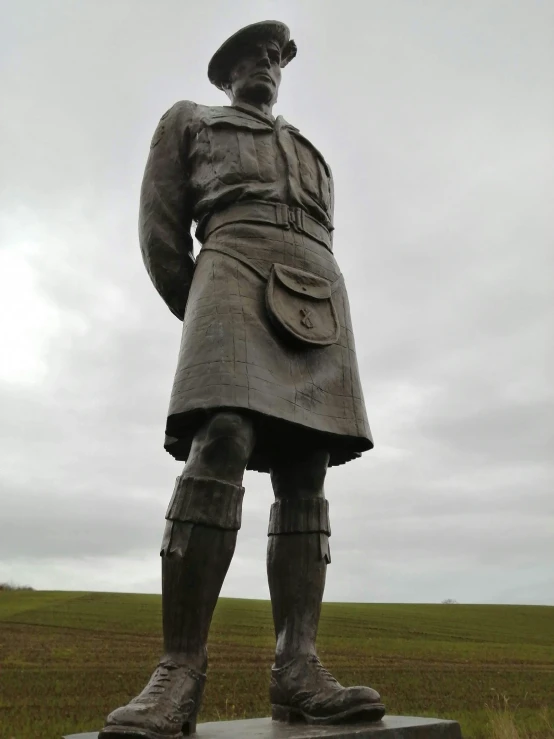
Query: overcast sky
[[437, 118]]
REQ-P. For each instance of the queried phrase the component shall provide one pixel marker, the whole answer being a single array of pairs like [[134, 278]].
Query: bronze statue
[[267, 379]]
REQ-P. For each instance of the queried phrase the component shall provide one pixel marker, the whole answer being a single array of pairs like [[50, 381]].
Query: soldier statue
[[267, 380]]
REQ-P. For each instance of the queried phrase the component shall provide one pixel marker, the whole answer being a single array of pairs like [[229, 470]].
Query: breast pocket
[[313, 170], [239, 149]]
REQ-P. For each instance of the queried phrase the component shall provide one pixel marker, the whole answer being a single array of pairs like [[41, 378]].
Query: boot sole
[[134, 732], [369, 712]]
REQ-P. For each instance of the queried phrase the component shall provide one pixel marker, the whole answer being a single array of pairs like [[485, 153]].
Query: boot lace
[[325, 674], [160, 680]]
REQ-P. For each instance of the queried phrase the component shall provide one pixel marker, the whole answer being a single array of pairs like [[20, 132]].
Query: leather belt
[[277, 214]]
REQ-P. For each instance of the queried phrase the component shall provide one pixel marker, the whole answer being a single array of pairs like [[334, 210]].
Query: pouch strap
[[238, 256], [254, 267]]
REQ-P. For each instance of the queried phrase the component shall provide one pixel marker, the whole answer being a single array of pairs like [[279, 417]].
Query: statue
[[267, 379]]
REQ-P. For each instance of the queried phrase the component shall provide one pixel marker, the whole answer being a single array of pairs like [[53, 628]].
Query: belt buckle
[[282, 213], [296, 217]]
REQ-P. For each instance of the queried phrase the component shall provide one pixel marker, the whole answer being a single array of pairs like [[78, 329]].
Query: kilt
[[232, 358]]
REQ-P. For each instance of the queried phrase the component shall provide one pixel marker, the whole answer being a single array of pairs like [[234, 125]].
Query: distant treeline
[[11, 586]]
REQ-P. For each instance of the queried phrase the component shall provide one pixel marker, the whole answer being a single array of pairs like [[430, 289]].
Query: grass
[[503, 721], [67, 659]]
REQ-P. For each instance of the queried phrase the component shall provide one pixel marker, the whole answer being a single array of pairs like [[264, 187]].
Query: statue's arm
[[165, 215], [331, 201]]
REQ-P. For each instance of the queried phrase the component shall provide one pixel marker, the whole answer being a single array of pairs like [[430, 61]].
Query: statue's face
[[256, 76]]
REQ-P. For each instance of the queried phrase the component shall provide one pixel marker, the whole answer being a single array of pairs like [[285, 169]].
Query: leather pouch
[[300, 306]]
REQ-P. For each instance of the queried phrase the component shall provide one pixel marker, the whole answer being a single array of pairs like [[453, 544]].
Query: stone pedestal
[[391, 727]]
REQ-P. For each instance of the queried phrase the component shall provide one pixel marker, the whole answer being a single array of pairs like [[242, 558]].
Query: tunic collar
[[251, 110], [256, 113]]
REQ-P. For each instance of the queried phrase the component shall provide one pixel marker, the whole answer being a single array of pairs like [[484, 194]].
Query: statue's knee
[[209, 492], [226, 438], [301, 479], [227, 424]]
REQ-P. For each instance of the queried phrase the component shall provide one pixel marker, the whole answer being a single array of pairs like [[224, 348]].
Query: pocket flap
[[302, 282], [300, 307]]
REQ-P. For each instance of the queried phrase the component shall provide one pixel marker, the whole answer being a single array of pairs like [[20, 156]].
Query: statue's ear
[[288, 53]]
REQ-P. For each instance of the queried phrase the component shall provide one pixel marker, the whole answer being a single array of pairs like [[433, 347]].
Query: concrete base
[[391, 727]]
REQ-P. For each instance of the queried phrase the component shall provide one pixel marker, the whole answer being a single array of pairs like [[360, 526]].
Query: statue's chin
[[258, 93]]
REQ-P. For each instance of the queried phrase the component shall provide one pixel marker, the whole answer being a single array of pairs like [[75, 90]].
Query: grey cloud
[[437, 122]]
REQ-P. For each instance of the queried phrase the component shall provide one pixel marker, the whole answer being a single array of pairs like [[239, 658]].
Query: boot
[[197, 548], [301, 689], [165, 709]]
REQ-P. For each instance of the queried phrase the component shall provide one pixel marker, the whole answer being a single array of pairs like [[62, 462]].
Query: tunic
[[204, 161]]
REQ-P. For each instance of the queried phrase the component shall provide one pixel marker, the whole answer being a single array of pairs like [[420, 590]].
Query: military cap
[[228, 53]]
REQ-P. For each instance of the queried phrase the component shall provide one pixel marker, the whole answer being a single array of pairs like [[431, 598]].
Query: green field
[[67, 659]]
